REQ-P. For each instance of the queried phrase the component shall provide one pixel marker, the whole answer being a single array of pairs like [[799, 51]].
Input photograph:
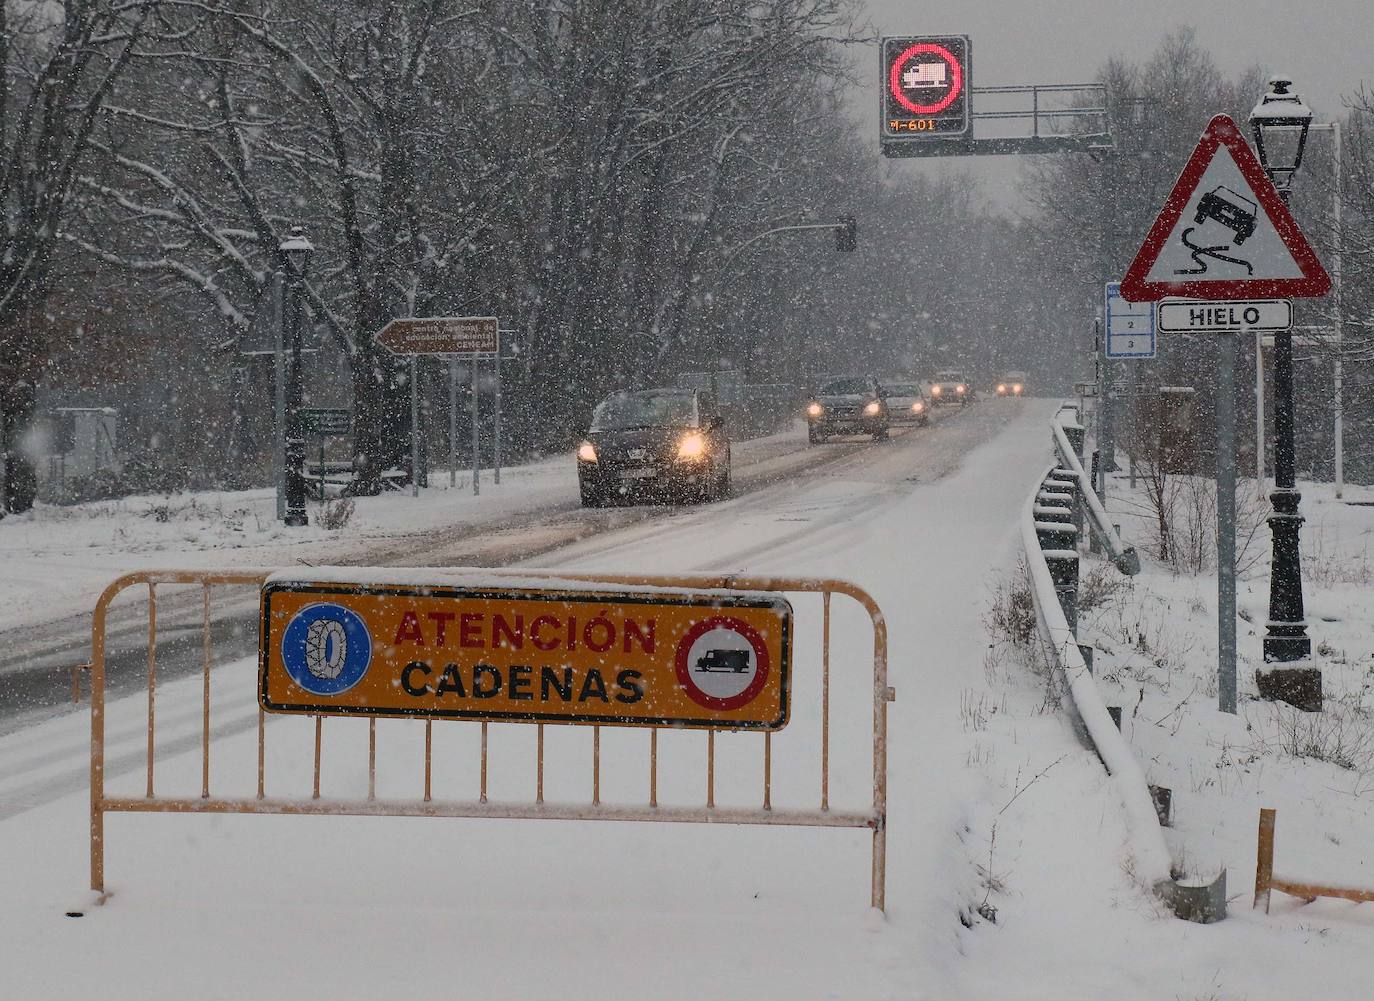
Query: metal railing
[[536, 807], [1049, 537], [1126, 559]]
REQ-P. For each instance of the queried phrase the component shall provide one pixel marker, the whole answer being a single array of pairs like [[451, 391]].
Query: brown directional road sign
[[441, 335]]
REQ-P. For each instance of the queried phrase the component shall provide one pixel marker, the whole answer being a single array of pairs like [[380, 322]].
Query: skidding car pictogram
[[731, 661], [1236, 212]]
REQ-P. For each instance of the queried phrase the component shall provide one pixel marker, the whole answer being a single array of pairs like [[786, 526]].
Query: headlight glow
[[692, 446], [873, 408], [586, 452], [917, 407], [814, 410], [934, 390], [1016, 388], [959, 389], [1001, 388]]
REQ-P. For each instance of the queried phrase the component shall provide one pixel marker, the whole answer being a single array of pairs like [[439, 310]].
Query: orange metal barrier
[[873, 819], [1265, 880]]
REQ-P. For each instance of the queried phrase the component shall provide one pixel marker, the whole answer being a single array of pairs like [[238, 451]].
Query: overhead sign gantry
[[925, 105]]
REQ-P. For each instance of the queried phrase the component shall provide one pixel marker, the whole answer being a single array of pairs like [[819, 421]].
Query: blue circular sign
[[326, 649]]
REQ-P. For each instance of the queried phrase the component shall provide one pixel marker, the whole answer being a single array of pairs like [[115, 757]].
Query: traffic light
[[847, 234]]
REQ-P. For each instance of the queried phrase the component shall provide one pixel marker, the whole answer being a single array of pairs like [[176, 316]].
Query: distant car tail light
[[873, 408], [586, 452], [691, 446], [814, 410]]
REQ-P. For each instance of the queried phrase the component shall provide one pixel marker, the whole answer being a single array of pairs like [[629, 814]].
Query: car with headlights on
[[654, 444], [850, 405], [906, 402], [951, 387], [1012, 384]]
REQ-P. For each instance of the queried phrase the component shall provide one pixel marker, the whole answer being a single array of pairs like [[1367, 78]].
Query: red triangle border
[[1222, 131]]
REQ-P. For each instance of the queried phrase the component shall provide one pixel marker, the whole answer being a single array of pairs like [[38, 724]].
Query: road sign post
[[1226, 521], [1225, 236], [476, 441], [452, 422], [415, 425], [325, 422], [451, 337]]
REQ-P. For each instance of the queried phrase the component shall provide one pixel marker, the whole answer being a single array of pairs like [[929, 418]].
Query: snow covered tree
[[58, 65]]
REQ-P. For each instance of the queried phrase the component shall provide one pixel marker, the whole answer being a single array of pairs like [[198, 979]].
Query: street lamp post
[[1280, 122], [297, 249]]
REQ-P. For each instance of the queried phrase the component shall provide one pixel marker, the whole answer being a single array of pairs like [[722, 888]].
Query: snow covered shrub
[[1010, 617], [1101, 586], [1338, 735], [336, 514]]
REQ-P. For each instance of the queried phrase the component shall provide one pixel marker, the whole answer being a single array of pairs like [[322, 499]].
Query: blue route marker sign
[[1130, 326]]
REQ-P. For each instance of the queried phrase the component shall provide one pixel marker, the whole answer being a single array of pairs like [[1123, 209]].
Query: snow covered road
[[256, 907]]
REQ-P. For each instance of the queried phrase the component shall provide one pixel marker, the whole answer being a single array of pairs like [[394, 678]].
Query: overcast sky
[[1326, 45]]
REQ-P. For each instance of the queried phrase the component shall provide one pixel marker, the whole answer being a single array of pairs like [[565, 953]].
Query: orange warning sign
[[632, 658]]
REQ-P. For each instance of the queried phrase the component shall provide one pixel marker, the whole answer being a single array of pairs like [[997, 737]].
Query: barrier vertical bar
[[825, 700], [483, 796], [653, 766], [98, 748], [767, 769], [539, 765], [710, 768], [205, 721], [262, 750], [596, 766], [372, 759], [152, 676], [429, 746], [319, 731], [1264, 859], [880, 700]]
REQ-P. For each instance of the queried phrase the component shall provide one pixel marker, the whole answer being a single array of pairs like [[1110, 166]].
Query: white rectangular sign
[[1196, 316], [1130, 326]]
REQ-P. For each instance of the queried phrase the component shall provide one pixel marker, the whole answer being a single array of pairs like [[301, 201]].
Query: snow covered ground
[[58, 559], [992, 803]]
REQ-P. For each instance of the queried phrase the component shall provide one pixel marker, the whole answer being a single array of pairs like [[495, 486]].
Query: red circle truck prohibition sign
[[722, 663], [956, 78]]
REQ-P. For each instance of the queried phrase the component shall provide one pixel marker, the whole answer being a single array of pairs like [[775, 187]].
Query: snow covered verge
[[1155, 655]]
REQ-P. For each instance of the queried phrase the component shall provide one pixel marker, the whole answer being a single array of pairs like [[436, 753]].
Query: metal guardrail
[[1049, 535], [1125, 557]]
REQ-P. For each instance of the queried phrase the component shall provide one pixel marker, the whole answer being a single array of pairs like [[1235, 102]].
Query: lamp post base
[[1299, 686]]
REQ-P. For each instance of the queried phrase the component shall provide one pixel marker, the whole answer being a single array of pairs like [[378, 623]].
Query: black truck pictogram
[[1236, 212], [724, 661]]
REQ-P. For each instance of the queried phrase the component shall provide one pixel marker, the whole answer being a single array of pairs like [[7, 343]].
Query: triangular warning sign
[[1224, 233]]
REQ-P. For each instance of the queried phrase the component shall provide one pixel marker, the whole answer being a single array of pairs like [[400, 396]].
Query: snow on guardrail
[[1153, 864], [1124, 556]]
